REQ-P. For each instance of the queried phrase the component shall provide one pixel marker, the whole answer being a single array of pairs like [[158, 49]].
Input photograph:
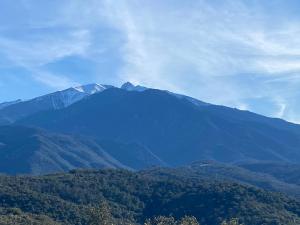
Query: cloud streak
[[209, 49]]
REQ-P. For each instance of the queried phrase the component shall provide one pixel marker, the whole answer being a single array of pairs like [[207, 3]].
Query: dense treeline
[[16, 217], [187, 220], [285, 181], [99, 216], [79, 197]]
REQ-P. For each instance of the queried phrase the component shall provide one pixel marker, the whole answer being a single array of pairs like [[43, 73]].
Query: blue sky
[[243, 54]]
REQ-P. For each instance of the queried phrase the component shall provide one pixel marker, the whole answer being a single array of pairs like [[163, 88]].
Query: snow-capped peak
[[91, 88], [67, 97], [72, 95]]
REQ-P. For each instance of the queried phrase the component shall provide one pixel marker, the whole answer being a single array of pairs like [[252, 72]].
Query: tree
[[162, 220], [189, 220], [233, 221], [101, 215]]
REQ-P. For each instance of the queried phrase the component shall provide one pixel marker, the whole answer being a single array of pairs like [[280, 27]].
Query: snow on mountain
[[65, 98], [92, 88], [9, 113], [13, 111], [5, 104], [69, 96]]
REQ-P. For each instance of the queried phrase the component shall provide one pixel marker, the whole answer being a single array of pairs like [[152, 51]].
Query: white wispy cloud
[[40, 50], [33, 51], [204, 49]]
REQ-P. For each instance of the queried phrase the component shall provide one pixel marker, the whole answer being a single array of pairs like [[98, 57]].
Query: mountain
[[33, 151], [175, 129], [15, 110], [26, 150], [10, 112], [78, 197]]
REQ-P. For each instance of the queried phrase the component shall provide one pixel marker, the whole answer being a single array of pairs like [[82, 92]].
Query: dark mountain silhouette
[[175, 129]]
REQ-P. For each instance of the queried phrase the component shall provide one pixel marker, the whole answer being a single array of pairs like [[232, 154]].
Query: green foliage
[[233, 221], [187, 220], [14, 216], [163, 220], [123, 197], [101, 215]]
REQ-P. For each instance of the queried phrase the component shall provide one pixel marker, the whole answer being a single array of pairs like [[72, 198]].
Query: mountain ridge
[[53, 101]]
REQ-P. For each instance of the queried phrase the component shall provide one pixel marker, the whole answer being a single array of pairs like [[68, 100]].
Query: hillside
[[26, 150], [225, 172], [71, 198], [289, 173]]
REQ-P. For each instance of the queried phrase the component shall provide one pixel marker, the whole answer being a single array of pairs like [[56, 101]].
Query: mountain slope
[[6, 104], [175, 129], [56, 100], [134, 196], [226, 172], [26, 150], [32, 151]]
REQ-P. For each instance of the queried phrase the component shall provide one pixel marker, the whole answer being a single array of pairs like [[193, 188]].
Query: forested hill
[[132, 197]]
